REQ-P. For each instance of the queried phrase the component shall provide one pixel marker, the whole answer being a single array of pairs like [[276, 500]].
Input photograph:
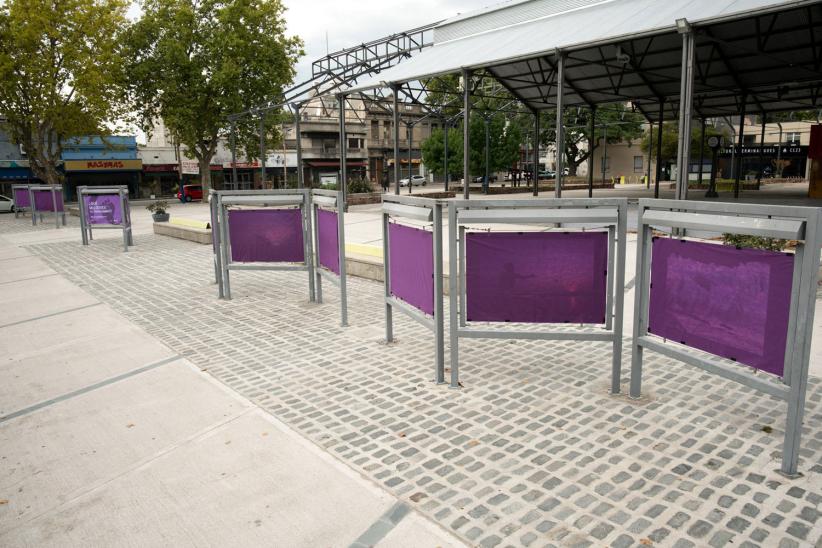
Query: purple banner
[[43, 200], [730, 302], [266, 235], [411, 265], [536, 277], [329, 243], [103, 209], [21, 198]]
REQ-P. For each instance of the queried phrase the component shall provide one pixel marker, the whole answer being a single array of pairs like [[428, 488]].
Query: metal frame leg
[[453, 294], [386, 261], [343, 271], [619, 299], [439, 328], [640, 304]]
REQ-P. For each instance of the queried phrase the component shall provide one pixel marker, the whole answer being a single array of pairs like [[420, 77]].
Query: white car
[[416, 180], [6, 204]]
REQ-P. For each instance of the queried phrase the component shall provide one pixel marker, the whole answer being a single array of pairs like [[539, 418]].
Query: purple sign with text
[[21, 198], [266, 235], [731, 302], [536, 277], [411, 265], [44, 200], [328, 242], [103, 209]]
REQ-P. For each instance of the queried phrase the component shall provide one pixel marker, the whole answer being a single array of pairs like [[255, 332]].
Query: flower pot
[[160, 217]]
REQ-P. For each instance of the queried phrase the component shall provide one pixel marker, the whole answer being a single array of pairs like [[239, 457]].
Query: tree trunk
[[205, 175]]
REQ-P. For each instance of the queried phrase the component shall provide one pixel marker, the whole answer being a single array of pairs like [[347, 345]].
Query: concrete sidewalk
[[109, 437]]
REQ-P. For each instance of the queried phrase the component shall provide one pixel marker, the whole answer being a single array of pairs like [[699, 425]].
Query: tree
[[670, 140], [504, 139], [197, 61], [614, 123], [60, 74]]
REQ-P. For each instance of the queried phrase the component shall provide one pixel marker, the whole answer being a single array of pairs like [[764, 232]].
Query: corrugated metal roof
[[504, 14], [601, 23]]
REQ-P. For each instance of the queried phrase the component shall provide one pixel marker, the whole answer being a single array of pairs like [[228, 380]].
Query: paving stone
[[539, 441]]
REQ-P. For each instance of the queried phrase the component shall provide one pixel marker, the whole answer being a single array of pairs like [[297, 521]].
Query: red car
[[190, 192]]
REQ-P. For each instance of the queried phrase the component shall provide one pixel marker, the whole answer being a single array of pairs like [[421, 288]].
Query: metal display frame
[[54, 189], [599, 212], [332, 200], [261, 198], [802, 224], [427, 210], [17, 209], [125, 208]]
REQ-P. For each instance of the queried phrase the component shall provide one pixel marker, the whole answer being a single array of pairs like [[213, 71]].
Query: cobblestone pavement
[[532, 452]]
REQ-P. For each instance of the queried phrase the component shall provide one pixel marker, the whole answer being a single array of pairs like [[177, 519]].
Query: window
[[353, 143], [375, 129], [792, 138], [749, 140], [639, 162]]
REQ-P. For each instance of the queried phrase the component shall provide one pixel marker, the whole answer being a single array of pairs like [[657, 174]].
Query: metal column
[[701, 151], [650, 155], [591, 139], [761, 153], [409, 132], [262, 150], [396, 128], [343, 160], [300, 174], [466, 132], [685, 112], [738, 165], [659, 146], [536, 153], [560, 129], [486, 180], [445, 162], [233, 155]]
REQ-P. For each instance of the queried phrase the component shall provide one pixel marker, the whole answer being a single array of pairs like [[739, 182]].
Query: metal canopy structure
[[759, 55]]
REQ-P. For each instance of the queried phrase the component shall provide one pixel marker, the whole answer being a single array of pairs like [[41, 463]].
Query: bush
[[358, 186], [755, 242], [159, 207]]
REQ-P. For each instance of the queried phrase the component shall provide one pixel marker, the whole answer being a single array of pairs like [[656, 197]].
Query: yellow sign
[[103, 165]]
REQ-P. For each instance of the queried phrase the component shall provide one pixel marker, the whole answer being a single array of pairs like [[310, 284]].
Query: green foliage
[[60, 74], [355, 186], [756, 242], [159, 207], [670, 140], [504, 140], [195, 62]]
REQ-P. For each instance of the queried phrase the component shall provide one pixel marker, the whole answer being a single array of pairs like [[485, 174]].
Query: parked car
[[190, 192], [481, 178], [6, 204], [416, 180], [547, 174]]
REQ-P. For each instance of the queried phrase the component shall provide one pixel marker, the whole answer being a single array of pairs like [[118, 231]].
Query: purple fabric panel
[[21, 198], [266, 235], [536, 277], [103, 209], [411, 256], [730, 302], [43, 200], [329, 243]]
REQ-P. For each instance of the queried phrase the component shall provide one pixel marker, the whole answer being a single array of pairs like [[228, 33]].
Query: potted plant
[[159, 211]]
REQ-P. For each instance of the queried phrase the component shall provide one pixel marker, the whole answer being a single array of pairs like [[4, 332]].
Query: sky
[[351, 22]]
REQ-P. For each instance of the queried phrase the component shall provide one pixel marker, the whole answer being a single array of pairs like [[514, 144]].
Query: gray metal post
[[466, 133], [560, 128], [453, 292], [761, 153], [536, 153], [640, 302], [409, 128], [801, 354], [81, 205], [685, 113], [386, 265], [222, 221], [343, 269], [619, 298], [215, 234], [439, 327], [318, 279], [486, 180], [701, 151], [738, 166], [233, 156], [54, 207], [123, 219], [343, 153], [396, 128], [32, 208], [650, 155], [308, 248], [300, 173], [659, 147], [591, 140], [262, 150], [445, 162]]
